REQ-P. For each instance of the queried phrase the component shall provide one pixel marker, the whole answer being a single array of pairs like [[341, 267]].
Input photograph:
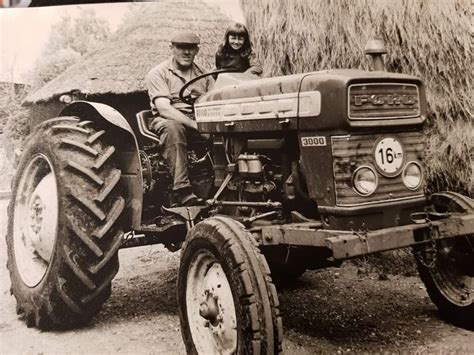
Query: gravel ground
[[330, 311]]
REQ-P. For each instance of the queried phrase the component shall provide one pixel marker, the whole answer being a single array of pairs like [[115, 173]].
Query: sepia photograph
[[236, 177]]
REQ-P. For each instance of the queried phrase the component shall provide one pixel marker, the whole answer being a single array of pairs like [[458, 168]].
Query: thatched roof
[[119, 67]]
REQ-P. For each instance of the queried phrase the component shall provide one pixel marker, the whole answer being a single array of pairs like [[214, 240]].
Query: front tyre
[[228, 303], [446, 266], [64, 224]]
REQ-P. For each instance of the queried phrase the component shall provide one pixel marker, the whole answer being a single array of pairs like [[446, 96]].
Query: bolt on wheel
[[228, 303], [450, 276], [446, 267], [35, 222], [211, 309], [62, 239]]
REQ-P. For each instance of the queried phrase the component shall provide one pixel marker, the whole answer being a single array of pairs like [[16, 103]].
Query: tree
[[70, 40]]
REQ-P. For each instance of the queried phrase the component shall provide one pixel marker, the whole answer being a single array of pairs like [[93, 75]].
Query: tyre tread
[[95, 136], [84, 123], [69, 257], [101, 160], [70, 128], [72, 305], [267, 288], [86, 172], [112, 217], [72, 294], [462, 316], [90, 205], [85, 239], [79, 145], [113, 180], [257, 294], [106, 283], [107, 256]]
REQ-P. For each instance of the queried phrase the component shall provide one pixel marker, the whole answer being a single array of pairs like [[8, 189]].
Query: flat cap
[[185, 37]]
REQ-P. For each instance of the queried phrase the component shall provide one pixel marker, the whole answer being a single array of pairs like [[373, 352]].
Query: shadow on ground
[[142, 296], [343, 308]]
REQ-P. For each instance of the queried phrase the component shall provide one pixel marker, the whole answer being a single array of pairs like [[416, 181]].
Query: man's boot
[[185, 197]]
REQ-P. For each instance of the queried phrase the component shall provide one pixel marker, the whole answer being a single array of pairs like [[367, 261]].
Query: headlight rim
[[374, 171], [414, 162]]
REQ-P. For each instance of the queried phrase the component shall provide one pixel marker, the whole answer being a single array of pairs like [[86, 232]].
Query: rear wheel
[[446, 266], [228, 303], [64, 225]]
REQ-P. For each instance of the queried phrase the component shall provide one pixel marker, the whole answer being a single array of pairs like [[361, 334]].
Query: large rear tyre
[[228, 303], [64, 225], [446, 266]]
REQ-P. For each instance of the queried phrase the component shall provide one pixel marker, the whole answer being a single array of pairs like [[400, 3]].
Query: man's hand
[[165, 110]]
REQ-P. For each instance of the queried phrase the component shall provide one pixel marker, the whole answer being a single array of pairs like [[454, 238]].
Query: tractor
[[297, 173]]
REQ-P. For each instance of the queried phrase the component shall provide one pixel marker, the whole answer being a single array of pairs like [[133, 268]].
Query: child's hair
[[237, 29]]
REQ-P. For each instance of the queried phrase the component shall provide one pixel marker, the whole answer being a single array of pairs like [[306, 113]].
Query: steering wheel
[[189, 99]]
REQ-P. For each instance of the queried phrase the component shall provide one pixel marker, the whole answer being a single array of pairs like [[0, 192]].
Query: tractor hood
[[323, 100]]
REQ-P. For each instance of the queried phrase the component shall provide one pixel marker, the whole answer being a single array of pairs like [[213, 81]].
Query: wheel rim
[[210, 306], [35, 220], [450, 278]]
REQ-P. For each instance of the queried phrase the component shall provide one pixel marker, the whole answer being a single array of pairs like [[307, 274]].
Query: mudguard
[[126, 150]]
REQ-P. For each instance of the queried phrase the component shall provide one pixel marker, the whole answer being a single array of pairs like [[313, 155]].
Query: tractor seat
[[142, 120]]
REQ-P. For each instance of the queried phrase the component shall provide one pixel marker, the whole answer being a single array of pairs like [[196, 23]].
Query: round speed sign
[[389, 156]]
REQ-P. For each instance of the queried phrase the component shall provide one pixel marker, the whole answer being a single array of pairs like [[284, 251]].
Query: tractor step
[[170, 234]]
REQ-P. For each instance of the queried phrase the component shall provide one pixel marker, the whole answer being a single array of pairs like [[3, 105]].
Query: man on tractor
[[173, 121]]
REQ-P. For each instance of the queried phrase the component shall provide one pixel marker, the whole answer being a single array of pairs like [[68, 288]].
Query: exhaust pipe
[[376, 48]]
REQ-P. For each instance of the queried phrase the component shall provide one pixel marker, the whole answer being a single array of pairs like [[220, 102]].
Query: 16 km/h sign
[[389, 156]]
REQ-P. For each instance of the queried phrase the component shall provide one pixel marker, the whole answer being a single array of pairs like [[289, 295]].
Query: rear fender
[[126, 146]]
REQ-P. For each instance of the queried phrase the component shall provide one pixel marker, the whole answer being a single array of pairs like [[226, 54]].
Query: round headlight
[[364, 180], [67, 99], [412, 175]]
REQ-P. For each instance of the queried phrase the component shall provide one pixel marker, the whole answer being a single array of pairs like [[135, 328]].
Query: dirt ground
[[330, 311]]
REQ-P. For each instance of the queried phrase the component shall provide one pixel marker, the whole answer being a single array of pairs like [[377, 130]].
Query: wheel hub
[[36, 214], [210, 307], [42, 213], [451, 276], [35, 219]]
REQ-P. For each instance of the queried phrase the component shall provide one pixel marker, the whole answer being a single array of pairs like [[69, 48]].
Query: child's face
[[236, 41]]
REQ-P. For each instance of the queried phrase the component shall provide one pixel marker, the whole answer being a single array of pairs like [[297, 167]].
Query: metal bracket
[[347, 244], [431, 233], [188, 214], [226, 181], [247, 222]]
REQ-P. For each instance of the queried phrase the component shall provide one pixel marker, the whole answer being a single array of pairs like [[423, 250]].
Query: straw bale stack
[[429, 39]]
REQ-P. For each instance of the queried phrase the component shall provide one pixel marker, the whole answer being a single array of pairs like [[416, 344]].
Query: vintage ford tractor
[[297, 172]]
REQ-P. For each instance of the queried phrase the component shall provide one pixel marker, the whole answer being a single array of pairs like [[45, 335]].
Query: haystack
[[429, 39], [120, 65]]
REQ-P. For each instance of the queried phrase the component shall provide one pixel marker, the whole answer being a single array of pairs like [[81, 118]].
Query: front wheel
[[446, 266], [228, 303]]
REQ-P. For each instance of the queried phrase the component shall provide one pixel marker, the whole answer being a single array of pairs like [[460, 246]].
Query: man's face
[[184, 54]]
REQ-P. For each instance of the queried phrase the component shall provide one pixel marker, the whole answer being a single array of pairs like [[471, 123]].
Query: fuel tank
[[323, 100]]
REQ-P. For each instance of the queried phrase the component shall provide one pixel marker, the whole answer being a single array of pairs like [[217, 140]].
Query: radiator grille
[[383, 101], [350, 152]]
